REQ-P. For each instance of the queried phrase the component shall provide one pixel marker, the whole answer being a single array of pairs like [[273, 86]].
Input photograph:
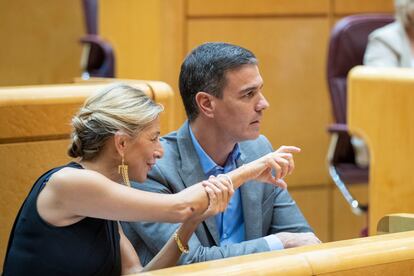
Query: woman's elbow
[[182, 213]]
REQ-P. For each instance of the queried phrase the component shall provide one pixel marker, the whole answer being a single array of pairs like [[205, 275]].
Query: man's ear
[[121, 141], [205, 103]]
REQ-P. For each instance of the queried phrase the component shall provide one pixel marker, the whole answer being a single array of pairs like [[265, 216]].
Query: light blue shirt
[[230, 223]]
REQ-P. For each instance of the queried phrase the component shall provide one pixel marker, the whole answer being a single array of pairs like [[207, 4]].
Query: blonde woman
[[393, 44], [68, 223]]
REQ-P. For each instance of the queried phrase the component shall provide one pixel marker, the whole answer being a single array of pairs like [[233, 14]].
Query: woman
[[393, 44], [68, 223]]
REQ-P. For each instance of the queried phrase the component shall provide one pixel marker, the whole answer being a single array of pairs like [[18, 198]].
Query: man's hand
[[290, 240], [280, 160]]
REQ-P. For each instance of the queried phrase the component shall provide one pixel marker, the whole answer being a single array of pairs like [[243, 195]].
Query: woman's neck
[[101, 165]]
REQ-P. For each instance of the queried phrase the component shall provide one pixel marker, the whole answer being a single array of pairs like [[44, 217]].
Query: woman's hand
[[219, 190], [280, 160]]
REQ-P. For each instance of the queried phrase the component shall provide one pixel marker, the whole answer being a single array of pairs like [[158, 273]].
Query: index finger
[[289, 149]]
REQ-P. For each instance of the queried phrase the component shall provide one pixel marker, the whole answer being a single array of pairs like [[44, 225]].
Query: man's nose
[[262, 104]]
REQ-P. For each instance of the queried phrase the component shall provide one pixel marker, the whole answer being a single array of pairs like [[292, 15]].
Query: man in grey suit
[[220, 86]]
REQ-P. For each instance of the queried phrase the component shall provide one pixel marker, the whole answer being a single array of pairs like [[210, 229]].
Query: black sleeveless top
[[88, 247]]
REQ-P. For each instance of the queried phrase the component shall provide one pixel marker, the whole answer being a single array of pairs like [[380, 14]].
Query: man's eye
[[249, 94]]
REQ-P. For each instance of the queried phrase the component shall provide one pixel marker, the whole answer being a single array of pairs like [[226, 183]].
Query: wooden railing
[[391, 254]]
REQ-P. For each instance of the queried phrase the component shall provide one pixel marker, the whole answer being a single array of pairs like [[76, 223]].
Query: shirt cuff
[[274, 242]]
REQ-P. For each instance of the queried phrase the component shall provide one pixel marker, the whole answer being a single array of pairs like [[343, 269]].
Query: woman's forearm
[[170, 253], [195, 197]]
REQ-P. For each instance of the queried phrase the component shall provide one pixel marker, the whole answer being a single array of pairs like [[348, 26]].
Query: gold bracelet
[[181, 247]]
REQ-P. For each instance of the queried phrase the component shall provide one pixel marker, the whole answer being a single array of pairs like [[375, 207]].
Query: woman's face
[[143, 151]]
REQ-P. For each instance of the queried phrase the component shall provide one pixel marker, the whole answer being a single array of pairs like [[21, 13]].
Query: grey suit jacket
[[388, 47], [266, 209]]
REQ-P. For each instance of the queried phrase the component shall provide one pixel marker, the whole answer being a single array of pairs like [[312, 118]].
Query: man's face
[[239, 112]]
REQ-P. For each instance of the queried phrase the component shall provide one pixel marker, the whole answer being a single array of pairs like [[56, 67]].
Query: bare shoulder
[[63, 191], [68, 178]]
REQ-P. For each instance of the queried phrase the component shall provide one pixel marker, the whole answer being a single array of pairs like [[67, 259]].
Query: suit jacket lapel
[[191, 172]]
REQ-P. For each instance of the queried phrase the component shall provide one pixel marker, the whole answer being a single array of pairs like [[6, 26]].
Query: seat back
[[346, 49], [90, 11], [98, 59], [347, 46]]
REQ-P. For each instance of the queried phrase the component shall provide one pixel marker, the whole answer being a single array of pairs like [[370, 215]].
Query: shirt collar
[[207, 164]]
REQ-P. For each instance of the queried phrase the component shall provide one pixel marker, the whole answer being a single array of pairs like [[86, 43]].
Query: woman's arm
[[219, 194], [129, 259], [73, 194]]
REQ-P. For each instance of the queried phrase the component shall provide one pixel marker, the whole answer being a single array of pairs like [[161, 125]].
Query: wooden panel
[[365, 6], [371, 255], [39, 41], [173, 52], [256, 8], [314, 204], [380, 109], [148, 38], [294, 84], [395, 268], [21, 164], [133, 28], [345, 224]]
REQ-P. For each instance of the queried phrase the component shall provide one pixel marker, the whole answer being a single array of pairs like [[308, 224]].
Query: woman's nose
[[159, 152]]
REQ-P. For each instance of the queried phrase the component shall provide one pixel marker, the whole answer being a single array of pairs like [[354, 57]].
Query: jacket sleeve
[[380, 53], [153, 236], [285, 213], [287, 216]]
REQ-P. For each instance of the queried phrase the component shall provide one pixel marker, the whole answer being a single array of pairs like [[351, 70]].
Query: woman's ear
[[205, 103], [121, 142]]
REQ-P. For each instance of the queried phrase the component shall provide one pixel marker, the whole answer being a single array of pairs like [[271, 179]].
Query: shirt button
[[225, 235]]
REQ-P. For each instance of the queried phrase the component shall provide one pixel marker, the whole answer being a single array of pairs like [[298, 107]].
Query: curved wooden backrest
[[381, 110]]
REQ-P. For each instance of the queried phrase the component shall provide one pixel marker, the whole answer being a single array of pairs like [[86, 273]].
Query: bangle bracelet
[[228, 178], [181, 247]]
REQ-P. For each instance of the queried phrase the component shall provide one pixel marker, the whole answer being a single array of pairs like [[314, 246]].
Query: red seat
[[347, 45]]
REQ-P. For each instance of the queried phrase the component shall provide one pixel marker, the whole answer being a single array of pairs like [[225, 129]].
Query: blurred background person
[[393, 44]]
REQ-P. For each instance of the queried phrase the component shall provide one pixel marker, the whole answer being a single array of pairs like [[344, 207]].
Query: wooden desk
[[34, 136], [391, 254], [381, 110]]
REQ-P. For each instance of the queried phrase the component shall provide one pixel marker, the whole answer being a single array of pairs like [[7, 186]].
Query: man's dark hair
[[204, 70]]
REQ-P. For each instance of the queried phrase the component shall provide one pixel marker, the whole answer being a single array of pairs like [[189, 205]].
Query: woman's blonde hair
[[118, 107], [404, 12]]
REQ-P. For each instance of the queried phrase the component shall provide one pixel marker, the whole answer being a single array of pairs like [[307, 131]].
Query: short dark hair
[[204, 70]]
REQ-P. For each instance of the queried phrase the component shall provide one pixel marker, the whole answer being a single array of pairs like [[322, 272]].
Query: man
[[220, 86]]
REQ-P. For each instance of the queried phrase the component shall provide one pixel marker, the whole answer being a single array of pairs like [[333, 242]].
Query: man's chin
[[250, 136]]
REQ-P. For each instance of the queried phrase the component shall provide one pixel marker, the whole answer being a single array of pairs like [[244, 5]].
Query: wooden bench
[[34, 136]]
